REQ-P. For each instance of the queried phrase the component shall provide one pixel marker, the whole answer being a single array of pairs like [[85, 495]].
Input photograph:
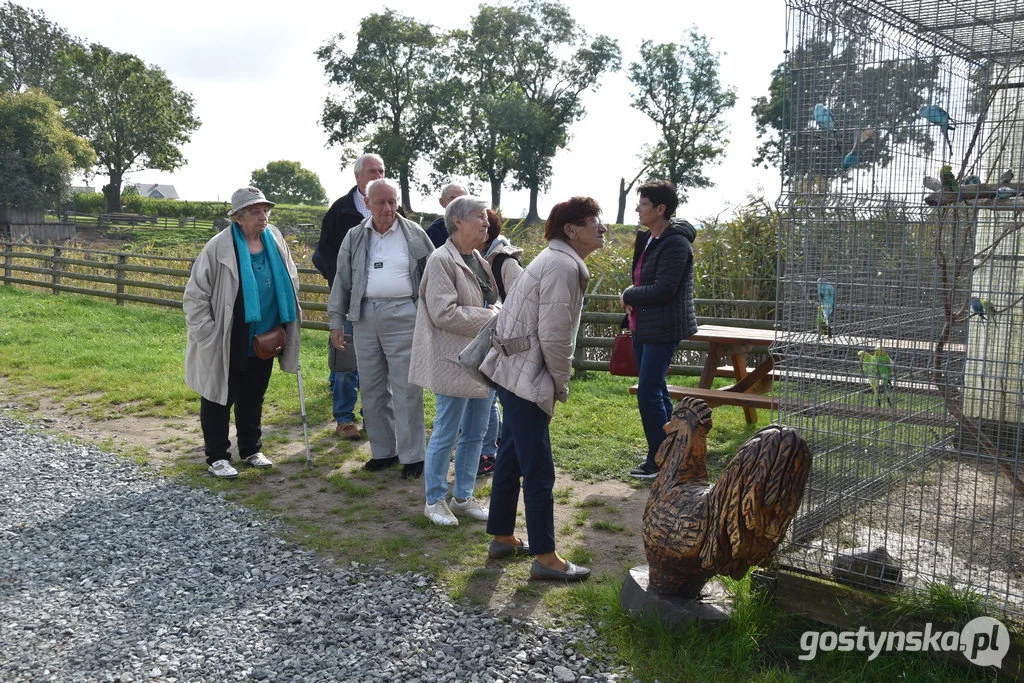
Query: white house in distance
[[155, 191]]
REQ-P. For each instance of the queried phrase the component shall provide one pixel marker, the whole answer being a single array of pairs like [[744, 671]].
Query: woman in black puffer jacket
[[659, 307]]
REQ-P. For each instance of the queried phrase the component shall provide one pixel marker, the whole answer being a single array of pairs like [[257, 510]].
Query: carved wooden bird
[[693, 530]]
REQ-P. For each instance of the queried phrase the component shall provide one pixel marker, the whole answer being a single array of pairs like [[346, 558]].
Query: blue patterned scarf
[[282, 281]]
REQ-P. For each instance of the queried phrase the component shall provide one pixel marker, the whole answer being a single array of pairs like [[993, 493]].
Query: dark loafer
[[571, 572], [377, 464], [499, 550]]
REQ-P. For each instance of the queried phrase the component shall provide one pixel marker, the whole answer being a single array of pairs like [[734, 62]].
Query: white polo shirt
[[387, 263]]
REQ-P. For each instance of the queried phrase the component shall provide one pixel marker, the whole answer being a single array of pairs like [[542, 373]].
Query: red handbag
[[623, 362]]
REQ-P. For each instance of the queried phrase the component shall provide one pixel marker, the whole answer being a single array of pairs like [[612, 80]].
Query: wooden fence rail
[[160, 281]]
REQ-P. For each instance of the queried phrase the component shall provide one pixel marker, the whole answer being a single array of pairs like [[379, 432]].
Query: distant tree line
[[495, 101], [492, 102], [95, 109]]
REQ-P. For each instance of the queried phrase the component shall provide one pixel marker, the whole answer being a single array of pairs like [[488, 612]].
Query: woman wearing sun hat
[[243, 284]]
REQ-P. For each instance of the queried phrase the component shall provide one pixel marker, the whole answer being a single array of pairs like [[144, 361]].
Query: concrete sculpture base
[[713, 607]]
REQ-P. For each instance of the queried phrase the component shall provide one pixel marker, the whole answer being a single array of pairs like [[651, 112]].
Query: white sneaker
[[222, 469], [438, 513], [259, 461], [470, 507]]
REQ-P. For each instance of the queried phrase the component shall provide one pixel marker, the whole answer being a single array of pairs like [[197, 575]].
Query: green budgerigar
[[877, 368], [947, 179], [824, 329]]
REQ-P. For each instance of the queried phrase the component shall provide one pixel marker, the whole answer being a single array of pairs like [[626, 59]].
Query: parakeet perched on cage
[[826, 302], [937, 116], [824, 329], [990, 310], [877, 368], [1006, 177], [947, 179], [977, 308], [971, 180], [933, 184], [853, 157], [823, 117]]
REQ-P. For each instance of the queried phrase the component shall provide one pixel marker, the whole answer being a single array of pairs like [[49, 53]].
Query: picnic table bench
[[751, 384]]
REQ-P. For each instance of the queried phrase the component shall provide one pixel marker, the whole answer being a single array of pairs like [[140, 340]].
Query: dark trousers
[[525, 452], [246, 389], [652, 361]]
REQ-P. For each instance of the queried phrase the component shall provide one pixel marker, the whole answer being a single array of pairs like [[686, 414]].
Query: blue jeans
[[490, 446], [344, 389], [652, 361], [525, 452], [465, 418]]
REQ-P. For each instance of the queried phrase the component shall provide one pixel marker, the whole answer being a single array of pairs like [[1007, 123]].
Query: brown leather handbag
[[269, 344], [623, 362]]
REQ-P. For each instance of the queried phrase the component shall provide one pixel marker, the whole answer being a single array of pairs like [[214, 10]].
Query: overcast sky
[[259, 89]]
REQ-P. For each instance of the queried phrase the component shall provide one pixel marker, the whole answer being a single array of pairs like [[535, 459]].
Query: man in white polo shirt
[[379, 267]]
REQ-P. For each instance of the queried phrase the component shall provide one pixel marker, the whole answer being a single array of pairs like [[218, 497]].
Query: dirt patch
[[352, 515]]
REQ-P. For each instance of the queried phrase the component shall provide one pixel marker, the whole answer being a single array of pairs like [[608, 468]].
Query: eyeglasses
[[644, 204], [590, 223]]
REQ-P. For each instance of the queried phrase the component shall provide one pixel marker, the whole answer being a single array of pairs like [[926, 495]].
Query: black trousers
[[246, 389]]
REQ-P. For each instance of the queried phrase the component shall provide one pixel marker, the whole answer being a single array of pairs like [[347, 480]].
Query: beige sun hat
[[247, 196]]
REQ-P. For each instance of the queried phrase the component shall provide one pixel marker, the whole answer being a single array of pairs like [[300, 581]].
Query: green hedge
[[284, 214]]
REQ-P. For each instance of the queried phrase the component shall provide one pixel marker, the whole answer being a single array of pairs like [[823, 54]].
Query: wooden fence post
[[121, 260], [55, 267], [8, 257]]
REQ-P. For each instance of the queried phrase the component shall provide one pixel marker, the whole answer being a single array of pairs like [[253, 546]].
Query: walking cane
[[305, 427]]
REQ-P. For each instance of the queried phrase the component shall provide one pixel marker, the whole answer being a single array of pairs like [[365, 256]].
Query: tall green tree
[[476, 138], [553, 63], [31, 49], [38, 153], [131, 113], [392, 85], [287, 182], [678, 87]]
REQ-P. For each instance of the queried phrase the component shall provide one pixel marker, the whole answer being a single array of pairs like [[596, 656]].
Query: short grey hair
[[361, 161], [447, 189], [461, 208], [383, 181]]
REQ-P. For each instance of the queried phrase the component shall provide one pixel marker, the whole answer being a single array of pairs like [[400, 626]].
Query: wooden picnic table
[[735, 343], [750, 385]]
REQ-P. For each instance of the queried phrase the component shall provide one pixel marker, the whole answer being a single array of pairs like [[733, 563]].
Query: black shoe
[[499, 550], [644, 471], [572, 572], [486, 465], [412, 470], [377, 464]]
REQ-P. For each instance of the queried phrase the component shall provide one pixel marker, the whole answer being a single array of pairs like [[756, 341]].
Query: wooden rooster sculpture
[[693, 530]]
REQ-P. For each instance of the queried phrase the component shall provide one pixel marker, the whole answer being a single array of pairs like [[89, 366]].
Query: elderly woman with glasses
[[243, 284], [457, 296], [530, 363]]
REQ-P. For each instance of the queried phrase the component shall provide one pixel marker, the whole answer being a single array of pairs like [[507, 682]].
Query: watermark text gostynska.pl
[[983, 641]]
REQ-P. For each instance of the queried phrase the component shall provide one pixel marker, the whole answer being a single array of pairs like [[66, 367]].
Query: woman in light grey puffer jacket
[[530, 363]]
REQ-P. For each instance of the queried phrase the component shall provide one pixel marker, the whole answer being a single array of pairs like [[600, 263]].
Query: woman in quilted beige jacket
[[530, 363], [457, 296]]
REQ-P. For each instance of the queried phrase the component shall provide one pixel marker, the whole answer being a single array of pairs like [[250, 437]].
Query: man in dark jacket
[[659, 307], [344, 214], [436, 231]]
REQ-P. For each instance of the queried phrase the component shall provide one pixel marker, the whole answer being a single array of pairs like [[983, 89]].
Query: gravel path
[[108, 573]]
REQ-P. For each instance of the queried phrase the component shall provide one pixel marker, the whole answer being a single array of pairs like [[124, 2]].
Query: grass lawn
[[102, 361]]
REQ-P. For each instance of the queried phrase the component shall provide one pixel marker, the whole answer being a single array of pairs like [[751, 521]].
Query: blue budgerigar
[[850, 160], [977, 308], [827, 302], [937, 116], [823, 117]]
